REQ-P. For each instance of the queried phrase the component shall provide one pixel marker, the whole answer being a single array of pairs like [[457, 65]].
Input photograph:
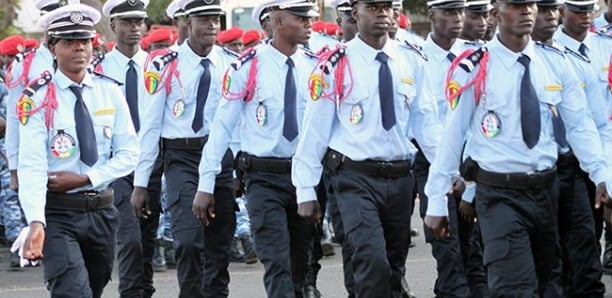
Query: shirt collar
[[369, 53], [279, 58], [139, 58], [439, 54], [570, 42], [63, 82], [507, 56], [194, 59]]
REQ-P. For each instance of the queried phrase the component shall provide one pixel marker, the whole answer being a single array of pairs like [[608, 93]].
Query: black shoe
[[15, 260], [235, 255], [159, 258], [310, 291], [414, 232], [606, 263], [249, 249], [406, 291], [412, 243]]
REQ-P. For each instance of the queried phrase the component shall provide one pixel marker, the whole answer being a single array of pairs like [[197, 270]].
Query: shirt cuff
[[437, 207], [470, 192], [94, 178], [206, 184], [141, 180], [599, 175], [34, 213], [305, 194]]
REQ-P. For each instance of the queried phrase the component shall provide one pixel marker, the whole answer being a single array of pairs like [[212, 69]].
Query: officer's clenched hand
[[140, 202], [458, 186], [64, 181], [204, 207], [601, 196], [14, 182], [467, 211], [33, 245], [438, 225], [310, 210]]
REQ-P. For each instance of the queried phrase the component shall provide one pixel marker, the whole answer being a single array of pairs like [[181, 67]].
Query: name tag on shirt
[[553, 87], [104, 112]]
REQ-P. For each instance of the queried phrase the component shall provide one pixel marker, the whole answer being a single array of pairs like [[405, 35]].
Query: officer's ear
[[111, 24], [562, 12], [495, 12], [430, 14]]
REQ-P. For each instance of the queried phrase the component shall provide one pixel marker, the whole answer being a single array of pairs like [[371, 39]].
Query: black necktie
[[559, 131], [582, 49], [530, 107], [450, 56], [385, 91], [131, 93], [202, 95], [290, 129], [84, 129]]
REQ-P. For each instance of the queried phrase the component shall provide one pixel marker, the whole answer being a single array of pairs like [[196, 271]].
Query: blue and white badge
[[63, 145], [490, 125], [356, 114]]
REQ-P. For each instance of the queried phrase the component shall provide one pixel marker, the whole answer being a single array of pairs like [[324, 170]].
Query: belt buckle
[[91, 200], [383, 166]]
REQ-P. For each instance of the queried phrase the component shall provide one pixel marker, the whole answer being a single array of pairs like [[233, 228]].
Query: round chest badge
[[179, 108], [108, 132], [62, 144], [261, 114], [356, 114], [490, 124]]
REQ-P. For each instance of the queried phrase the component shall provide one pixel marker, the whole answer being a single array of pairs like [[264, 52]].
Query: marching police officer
[[581, 266], [343, 121], [272, 111], [475, 22], [512, 153], [185, 87], [136, 235], [76, 138]]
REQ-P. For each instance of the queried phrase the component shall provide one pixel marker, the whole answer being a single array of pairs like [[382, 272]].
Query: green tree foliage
[[157, 10], [7, 16], [415, 7]]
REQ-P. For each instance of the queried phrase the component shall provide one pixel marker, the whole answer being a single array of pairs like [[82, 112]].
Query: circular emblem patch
[[490, 124], [179, 108], [76, 17], [261, 114], [62, 145], [356, 114]]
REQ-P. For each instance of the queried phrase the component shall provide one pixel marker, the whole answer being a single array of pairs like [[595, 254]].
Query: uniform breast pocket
[[403, 101], [104, 130], [354, 109]]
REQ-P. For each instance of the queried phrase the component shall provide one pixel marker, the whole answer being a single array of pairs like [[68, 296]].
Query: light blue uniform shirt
[[42, 61], [598, 49], [319, 40], [261, 140], [600, 22], [506, 152], [409, 36], [115, 65], [161, 121], [325, 126], [113, 130]]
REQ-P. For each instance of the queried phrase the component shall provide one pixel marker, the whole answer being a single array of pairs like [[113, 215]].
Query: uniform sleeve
[[124, 144], [12, 123], [221, 132], [33, 165], [149, 136], [582, 135], [307, 168], [448, 157], [424, 122], [599, 110]]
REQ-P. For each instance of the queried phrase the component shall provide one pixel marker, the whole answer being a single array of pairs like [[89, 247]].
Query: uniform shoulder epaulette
[[230, 53], [246, 56], [105, 77], [42, 80], [472, 60], [415, 48], [551, 48], [97, 60], [474, 43], [25, 54], [330, 58], [310, 54], [160, 59], [604, 32], [576, 54]]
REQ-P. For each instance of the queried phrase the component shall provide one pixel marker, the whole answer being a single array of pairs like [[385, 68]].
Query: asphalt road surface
[[246, 280]]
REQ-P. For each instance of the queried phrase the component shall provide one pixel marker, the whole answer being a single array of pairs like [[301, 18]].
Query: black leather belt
[[567, 160], [248, 162], [519, 181], [184, 143], [80, 201], [388, 169]]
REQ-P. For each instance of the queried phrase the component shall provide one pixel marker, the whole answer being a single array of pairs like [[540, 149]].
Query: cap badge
[[76, 17], [132, 2], [62, 2], [208, 2]]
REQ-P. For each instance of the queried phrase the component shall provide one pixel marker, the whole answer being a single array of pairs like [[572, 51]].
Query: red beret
[[404, 21], [331, 28], [252, 36], [31, 43], [98, 40], [161, 35], [230, 35], [144, 43], [318, 26], [12, 45], [110, 45]]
